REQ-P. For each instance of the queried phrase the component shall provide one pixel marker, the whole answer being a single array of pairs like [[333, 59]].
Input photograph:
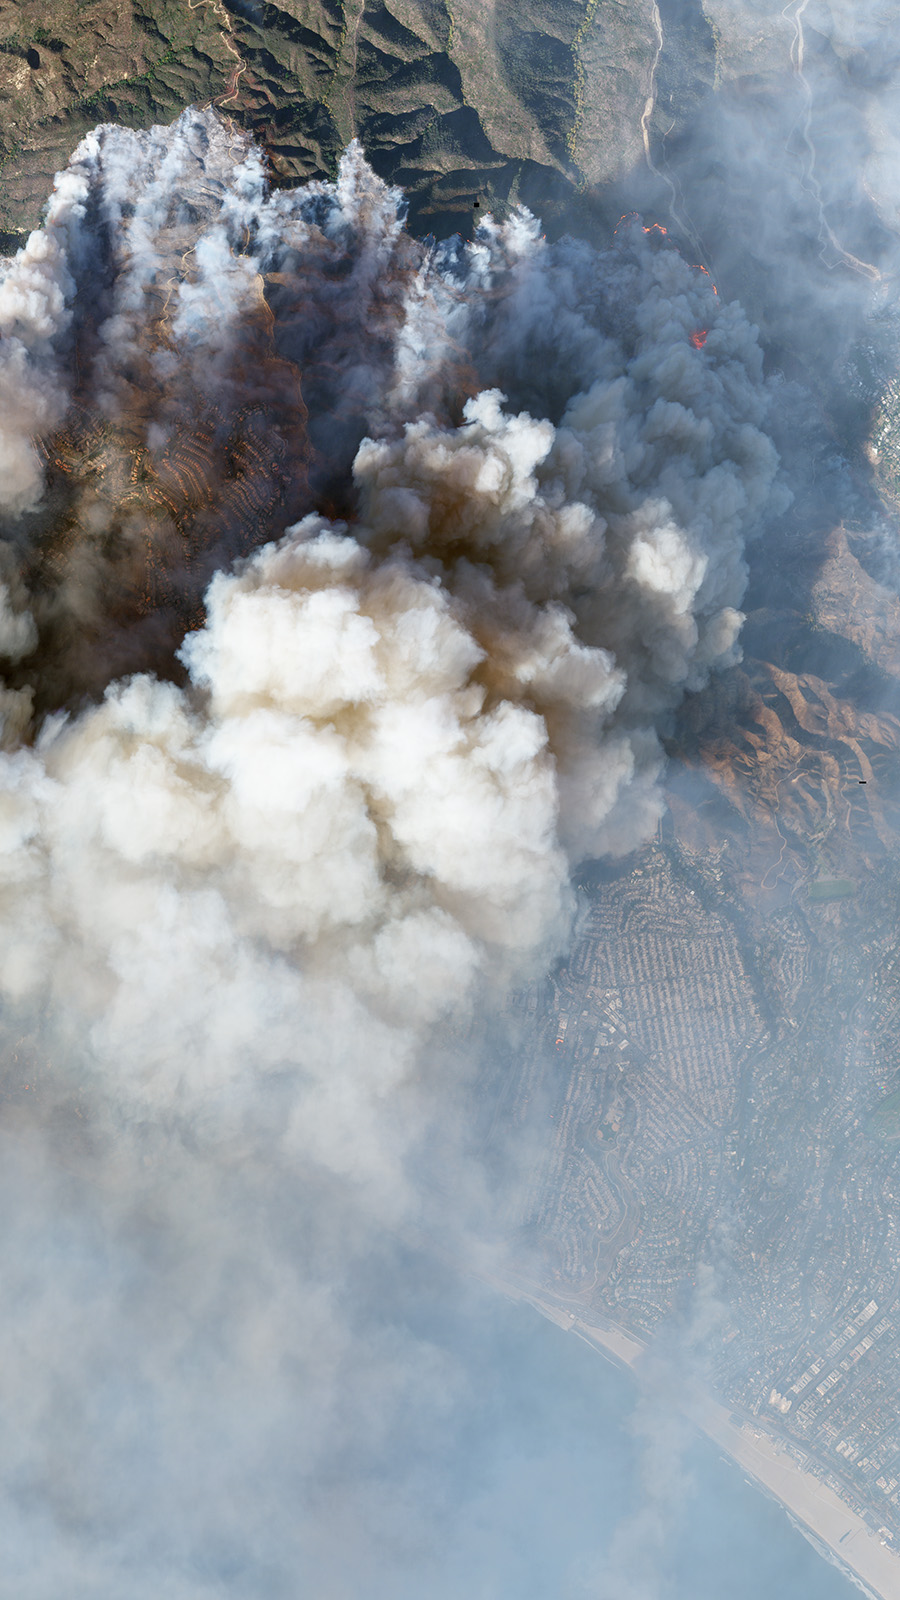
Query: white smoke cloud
[[251, 901], [36, 289]]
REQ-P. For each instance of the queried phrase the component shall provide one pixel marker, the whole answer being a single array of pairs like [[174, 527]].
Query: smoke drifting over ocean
[[345, 582]]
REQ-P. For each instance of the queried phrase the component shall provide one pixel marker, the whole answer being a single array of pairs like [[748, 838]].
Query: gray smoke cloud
[[339, 626], [784, 177]]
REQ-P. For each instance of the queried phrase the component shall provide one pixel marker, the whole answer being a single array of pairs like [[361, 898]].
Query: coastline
[[834, 1530]]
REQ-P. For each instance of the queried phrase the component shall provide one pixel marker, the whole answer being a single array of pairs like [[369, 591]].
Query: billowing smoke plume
[[35, 295], [468, 521]]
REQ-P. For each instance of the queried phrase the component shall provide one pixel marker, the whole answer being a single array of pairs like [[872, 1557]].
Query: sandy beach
[[820, 1513]]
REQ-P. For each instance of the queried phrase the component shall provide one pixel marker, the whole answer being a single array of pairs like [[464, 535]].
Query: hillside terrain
[[707, 1085], [457, 101], [453, 102], [582, 108]]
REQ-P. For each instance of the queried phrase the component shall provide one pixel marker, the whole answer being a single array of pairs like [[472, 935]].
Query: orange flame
[[698, 338], [699, 267], [634, 216]]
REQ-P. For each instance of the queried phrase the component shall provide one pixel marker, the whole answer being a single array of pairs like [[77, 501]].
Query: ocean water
[[563, 1488]]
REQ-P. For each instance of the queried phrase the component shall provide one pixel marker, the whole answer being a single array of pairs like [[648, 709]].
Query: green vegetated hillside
[[454, 99], [578, 107], [66, 66], [545, 100]]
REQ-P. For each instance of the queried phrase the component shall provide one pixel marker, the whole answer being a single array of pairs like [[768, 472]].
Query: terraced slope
[[793, 757]]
